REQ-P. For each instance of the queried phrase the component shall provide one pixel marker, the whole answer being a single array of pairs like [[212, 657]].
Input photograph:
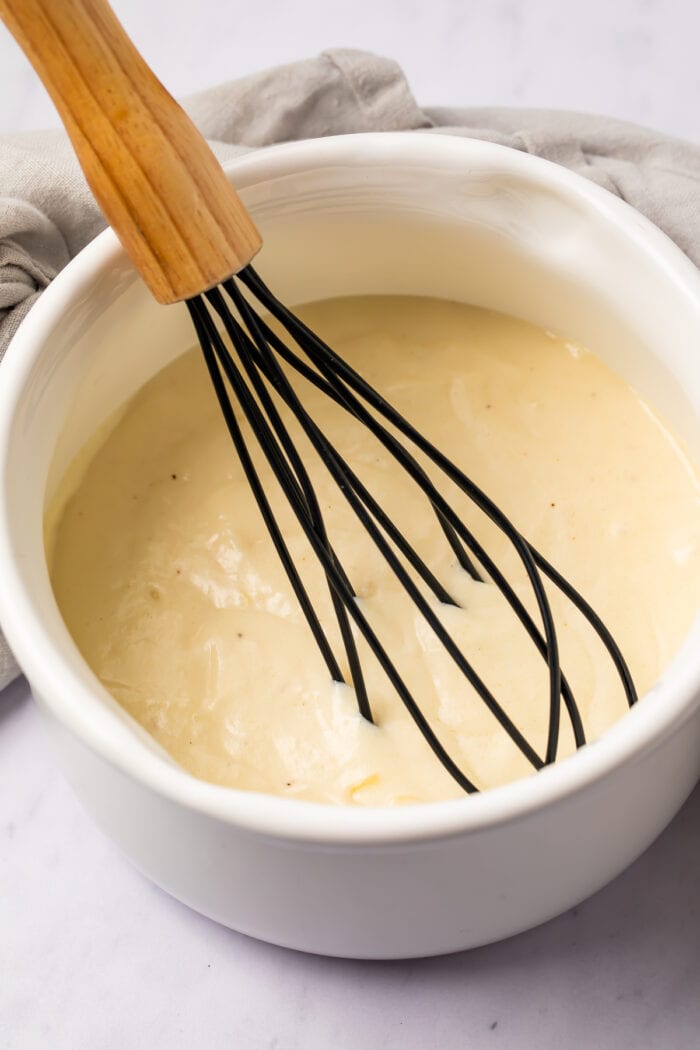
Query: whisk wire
[[294, 474], [278, 380], [310, 341], [346, 399], [256, 345], [200, 320], [341, 375], [213, 347], [320, 383], [345, 478]]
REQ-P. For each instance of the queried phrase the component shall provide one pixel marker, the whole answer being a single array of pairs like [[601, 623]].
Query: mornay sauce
[[173, 592]]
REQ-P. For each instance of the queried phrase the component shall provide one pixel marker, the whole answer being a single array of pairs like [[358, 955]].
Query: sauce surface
[[174, 594]]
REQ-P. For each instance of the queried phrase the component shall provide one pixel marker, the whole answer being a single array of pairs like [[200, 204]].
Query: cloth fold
[[47, 213]]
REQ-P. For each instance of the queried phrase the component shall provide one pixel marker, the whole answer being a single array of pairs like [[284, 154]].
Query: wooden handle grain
[[153, 175]]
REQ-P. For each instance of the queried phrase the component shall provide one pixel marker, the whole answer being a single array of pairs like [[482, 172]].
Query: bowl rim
[[653, 720]]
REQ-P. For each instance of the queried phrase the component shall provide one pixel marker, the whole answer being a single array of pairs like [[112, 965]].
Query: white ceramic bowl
[[405, 213]]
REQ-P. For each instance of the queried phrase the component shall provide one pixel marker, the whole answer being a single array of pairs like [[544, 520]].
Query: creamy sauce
[[173, 592]]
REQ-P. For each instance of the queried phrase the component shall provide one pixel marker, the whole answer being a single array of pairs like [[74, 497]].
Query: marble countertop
[[92, 955], [634, 59]]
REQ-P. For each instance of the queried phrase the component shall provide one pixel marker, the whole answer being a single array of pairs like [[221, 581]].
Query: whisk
[[192, 240]]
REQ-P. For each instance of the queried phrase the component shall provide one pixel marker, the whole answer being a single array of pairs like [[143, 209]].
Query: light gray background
[[91, 955], [636, 59]]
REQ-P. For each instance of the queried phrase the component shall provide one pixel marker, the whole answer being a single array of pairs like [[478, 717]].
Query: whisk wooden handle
[[154, 177]]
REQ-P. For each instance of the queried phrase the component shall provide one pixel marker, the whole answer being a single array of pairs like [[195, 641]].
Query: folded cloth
[[47, 213]]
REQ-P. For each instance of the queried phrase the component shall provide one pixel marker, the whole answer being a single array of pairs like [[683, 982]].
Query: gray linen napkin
[[47, 213]]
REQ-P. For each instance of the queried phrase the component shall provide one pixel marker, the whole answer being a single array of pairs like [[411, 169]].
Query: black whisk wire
[[337, 371], [288, 465], [214, 349], [450, 522], [201, 323], [348, 484], [256, 345], [341, 376]]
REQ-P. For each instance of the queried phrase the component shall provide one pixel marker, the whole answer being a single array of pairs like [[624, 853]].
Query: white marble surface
[[636, 59], [91, 955]]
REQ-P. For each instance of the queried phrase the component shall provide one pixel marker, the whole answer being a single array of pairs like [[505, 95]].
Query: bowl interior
[[502, 239], [367, 214]]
